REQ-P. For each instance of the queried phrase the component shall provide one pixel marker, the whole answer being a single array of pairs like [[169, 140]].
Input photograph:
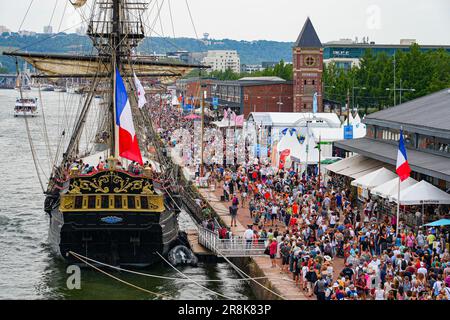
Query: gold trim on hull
[[94, 203]]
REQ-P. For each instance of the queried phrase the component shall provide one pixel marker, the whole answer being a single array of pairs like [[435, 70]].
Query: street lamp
[[400, 90], [353, 93], [279, 103]]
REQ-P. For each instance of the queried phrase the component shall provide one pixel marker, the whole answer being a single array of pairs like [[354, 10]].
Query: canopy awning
[[422, 193], [390, 188], [374, 179], [344, 163], [439, 223], [361, 167]]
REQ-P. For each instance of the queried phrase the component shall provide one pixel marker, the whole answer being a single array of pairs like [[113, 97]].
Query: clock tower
[[308, 70]]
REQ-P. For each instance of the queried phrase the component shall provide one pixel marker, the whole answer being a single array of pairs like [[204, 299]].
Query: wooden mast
[[115, 63]]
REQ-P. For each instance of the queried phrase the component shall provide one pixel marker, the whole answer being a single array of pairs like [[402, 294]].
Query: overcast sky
[[383, 21]]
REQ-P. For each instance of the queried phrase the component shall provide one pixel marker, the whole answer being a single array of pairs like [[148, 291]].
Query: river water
[[28, 268]]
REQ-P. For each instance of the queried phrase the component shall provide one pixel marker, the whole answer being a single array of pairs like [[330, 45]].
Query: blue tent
[[439, 223]]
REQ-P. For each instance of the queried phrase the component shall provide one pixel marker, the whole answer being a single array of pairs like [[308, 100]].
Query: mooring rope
[[118, 279], [198, 284], [261, 285], [158, 276]]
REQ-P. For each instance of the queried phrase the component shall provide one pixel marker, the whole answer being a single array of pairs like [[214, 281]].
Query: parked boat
[[26, 107]]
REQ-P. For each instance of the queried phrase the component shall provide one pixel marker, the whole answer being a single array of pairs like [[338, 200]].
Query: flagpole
[[398, 208], [115, 139], [398, 196], [203, 131]]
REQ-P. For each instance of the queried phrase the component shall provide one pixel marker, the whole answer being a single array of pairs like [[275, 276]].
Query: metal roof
[[422, 162], [427, 115], [308, 37]]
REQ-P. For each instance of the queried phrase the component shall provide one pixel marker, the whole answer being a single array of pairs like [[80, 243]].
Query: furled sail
[[91, 66], [78, 3]]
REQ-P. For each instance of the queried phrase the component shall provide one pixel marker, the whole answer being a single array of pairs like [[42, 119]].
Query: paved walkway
[[282, 282]]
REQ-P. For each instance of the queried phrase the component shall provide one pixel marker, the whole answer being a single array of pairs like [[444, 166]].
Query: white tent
[[345, 163], [290, 142], [374, 179], [390, 188], [422, 193]]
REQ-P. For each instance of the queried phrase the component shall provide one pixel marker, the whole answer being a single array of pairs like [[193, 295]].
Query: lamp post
[[401, 89], [323, 91], [353, 93], [279, 103], [202, 104]]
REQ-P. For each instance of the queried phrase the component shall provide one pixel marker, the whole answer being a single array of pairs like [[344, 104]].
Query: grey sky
[[384, 21]]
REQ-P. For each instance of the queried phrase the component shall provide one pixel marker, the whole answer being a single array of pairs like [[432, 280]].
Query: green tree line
[[366, 85], [281, 70], [371, 84]]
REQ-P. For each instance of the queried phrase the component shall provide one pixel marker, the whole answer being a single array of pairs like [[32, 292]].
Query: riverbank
[[280, 283]]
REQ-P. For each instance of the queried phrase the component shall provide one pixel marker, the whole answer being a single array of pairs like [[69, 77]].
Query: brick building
[[269, 94], [263, 94], [308, 69]]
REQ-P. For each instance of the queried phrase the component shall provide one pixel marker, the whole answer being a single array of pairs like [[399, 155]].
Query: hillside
[[250, 52]]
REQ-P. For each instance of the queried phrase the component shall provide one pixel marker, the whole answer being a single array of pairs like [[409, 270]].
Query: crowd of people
[[334, 247], [307, 229], [79, 167]]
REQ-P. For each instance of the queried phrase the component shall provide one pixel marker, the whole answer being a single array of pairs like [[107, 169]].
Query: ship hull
[[133, 242]]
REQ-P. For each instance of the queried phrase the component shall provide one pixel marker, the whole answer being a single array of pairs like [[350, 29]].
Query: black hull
[[135, 241]]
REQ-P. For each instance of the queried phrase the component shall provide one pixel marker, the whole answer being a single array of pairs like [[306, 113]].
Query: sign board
[[348, 132], [215, 102]]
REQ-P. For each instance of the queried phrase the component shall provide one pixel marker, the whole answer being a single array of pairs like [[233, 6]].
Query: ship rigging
[[110, 204]]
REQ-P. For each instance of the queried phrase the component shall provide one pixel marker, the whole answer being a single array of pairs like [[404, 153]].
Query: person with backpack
[[285, 250], [311, 278], [328, 249], [233, 213], [319, 288]]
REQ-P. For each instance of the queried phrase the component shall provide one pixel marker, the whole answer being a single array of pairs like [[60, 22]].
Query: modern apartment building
[[221, 60]]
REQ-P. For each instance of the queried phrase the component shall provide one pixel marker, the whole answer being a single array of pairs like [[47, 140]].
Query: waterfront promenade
[[281, 283]]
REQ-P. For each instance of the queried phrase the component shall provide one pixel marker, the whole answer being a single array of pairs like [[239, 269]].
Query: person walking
[[233, 212], [273, 247]]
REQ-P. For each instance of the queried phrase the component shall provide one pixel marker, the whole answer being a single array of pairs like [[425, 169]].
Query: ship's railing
[[235, 247]]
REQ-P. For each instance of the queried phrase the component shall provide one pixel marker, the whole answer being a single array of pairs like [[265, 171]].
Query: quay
[[258, 266]]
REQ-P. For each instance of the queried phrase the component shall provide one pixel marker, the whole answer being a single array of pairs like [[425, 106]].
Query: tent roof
[[345, 163], [390, 188], [290, 142], [374, 178], [328, 134], [422, 193], [356, 166], [295, 119], [439, 223]]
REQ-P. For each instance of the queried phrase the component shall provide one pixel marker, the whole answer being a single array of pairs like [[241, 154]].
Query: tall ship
[[110, 204]]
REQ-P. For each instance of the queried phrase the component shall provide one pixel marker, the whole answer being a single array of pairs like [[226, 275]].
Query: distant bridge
[[8, 81]]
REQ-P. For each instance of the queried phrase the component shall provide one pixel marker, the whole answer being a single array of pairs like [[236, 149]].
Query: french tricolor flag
[[403, 168], [128, 142]]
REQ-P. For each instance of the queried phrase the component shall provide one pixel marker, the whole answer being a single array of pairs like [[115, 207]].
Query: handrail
[[234, 247]]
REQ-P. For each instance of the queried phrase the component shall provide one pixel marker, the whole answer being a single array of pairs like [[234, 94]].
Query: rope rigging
[[158, 276], [30, 140], [185, 276], [118, 279]]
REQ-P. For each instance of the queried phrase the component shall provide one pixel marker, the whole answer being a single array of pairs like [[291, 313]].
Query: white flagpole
[[398, 209], [398, 195]]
